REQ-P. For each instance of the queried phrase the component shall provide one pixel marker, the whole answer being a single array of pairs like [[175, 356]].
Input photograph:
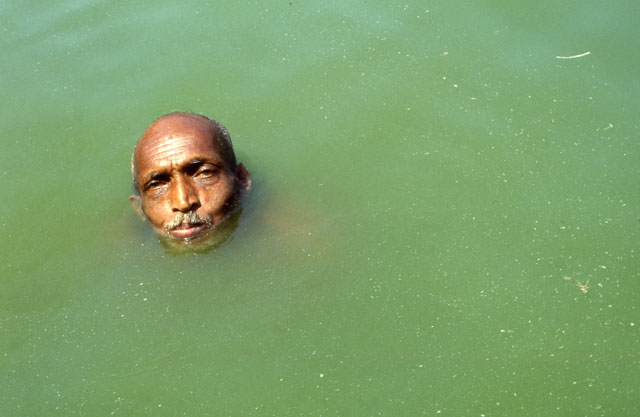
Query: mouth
[[188, 231]]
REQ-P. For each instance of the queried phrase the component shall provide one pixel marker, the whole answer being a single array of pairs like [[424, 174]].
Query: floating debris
[[583, 287], [574, 56]]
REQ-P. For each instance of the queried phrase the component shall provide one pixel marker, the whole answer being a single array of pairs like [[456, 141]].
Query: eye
[[206, 172], [155, 183]]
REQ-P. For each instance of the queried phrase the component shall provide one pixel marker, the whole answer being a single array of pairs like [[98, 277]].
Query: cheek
[[157, 212], [216, 200]]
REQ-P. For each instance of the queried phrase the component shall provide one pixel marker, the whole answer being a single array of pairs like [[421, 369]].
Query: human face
[[185, 187]]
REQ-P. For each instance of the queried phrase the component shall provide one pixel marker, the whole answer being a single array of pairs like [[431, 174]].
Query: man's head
[[185, 175]]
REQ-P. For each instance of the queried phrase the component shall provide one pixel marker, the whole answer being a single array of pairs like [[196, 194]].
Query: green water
[[431, 186]]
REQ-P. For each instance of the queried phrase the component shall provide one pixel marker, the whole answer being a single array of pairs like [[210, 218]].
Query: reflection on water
[[443, 220]]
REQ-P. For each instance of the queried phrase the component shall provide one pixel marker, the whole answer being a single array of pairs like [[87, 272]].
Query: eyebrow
[[197, 161]]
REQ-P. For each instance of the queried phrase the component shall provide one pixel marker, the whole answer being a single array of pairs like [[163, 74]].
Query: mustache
[[190, 218]]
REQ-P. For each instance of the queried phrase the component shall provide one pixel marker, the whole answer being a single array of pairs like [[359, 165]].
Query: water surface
[[444, 219]]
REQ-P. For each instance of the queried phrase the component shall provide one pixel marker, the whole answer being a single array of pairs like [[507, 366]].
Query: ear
[[136, 203], [242, 177]]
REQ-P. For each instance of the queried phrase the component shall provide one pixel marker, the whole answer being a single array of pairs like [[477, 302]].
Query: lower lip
[[188, 232]]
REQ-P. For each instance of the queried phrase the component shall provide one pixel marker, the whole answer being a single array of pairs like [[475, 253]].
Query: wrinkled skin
[[185, 187]]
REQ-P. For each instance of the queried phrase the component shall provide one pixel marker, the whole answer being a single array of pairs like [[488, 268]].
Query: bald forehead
[[177, 124], [187, 124], [180, 134]]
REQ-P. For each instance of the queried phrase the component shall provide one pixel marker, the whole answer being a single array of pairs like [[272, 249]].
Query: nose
[[184, 196]]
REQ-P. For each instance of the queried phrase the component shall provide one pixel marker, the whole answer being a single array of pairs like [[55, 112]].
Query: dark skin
[[186, 185]]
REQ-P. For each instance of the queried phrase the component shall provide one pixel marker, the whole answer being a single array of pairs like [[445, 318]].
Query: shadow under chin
[[211, 240]]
